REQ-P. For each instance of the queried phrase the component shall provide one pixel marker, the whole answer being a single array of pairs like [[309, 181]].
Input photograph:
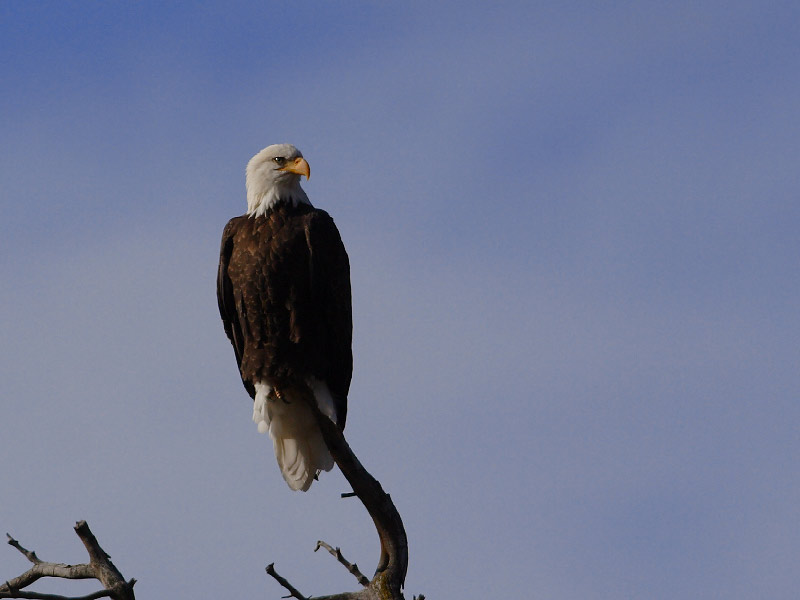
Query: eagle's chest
[[269, 249], [270, 268]]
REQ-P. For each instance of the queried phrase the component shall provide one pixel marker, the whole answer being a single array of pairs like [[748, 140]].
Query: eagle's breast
[[270, 270]]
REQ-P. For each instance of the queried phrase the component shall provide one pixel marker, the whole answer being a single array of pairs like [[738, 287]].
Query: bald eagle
[[283, 288]]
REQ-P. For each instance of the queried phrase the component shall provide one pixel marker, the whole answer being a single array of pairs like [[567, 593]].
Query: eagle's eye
[[279, 160]]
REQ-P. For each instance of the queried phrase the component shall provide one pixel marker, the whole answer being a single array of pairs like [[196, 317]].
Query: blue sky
[[573, 233]]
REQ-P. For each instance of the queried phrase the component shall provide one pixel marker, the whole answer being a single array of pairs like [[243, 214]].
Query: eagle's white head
[[273, 175]]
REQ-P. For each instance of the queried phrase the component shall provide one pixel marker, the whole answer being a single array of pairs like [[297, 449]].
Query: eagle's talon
[[281, 397]]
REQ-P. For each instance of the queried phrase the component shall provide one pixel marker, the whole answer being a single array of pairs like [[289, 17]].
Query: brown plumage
[[283, 288]]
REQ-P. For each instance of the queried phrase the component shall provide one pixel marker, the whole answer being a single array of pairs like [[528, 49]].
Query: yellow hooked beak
[[298, 166]]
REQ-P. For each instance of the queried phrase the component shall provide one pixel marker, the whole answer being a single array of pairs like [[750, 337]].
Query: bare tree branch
[[390, 574], [37, 596], [352, 567], [393, 562], [292, 590], [31, 556], [99, 567], [104, 569], [47, 569]]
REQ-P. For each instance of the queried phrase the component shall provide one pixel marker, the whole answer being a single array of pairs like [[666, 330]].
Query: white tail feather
[[299, 448]]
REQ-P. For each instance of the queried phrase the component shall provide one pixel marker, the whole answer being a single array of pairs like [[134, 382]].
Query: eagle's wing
[[330, 284], [227, 304]]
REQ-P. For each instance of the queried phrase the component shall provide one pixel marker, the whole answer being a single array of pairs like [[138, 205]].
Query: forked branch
[[99, 567]]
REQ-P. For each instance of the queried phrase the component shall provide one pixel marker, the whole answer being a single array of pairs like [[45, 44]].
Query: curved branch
[[390, 574], [393, 562]]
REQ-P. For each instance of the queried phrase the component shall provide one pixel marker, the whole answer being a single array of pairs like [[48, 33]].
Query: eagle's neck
[[261, 201]]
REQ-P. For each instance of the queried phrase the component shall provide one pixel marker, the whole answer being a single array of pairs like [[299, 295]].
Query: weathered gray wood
[[99, 567]]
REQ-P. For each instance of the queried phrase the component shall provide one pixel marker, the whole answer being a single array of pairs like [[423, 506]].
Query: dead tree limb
[[393, 561], [352, 567], [293, 593], [99, 567], [390, 574]]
